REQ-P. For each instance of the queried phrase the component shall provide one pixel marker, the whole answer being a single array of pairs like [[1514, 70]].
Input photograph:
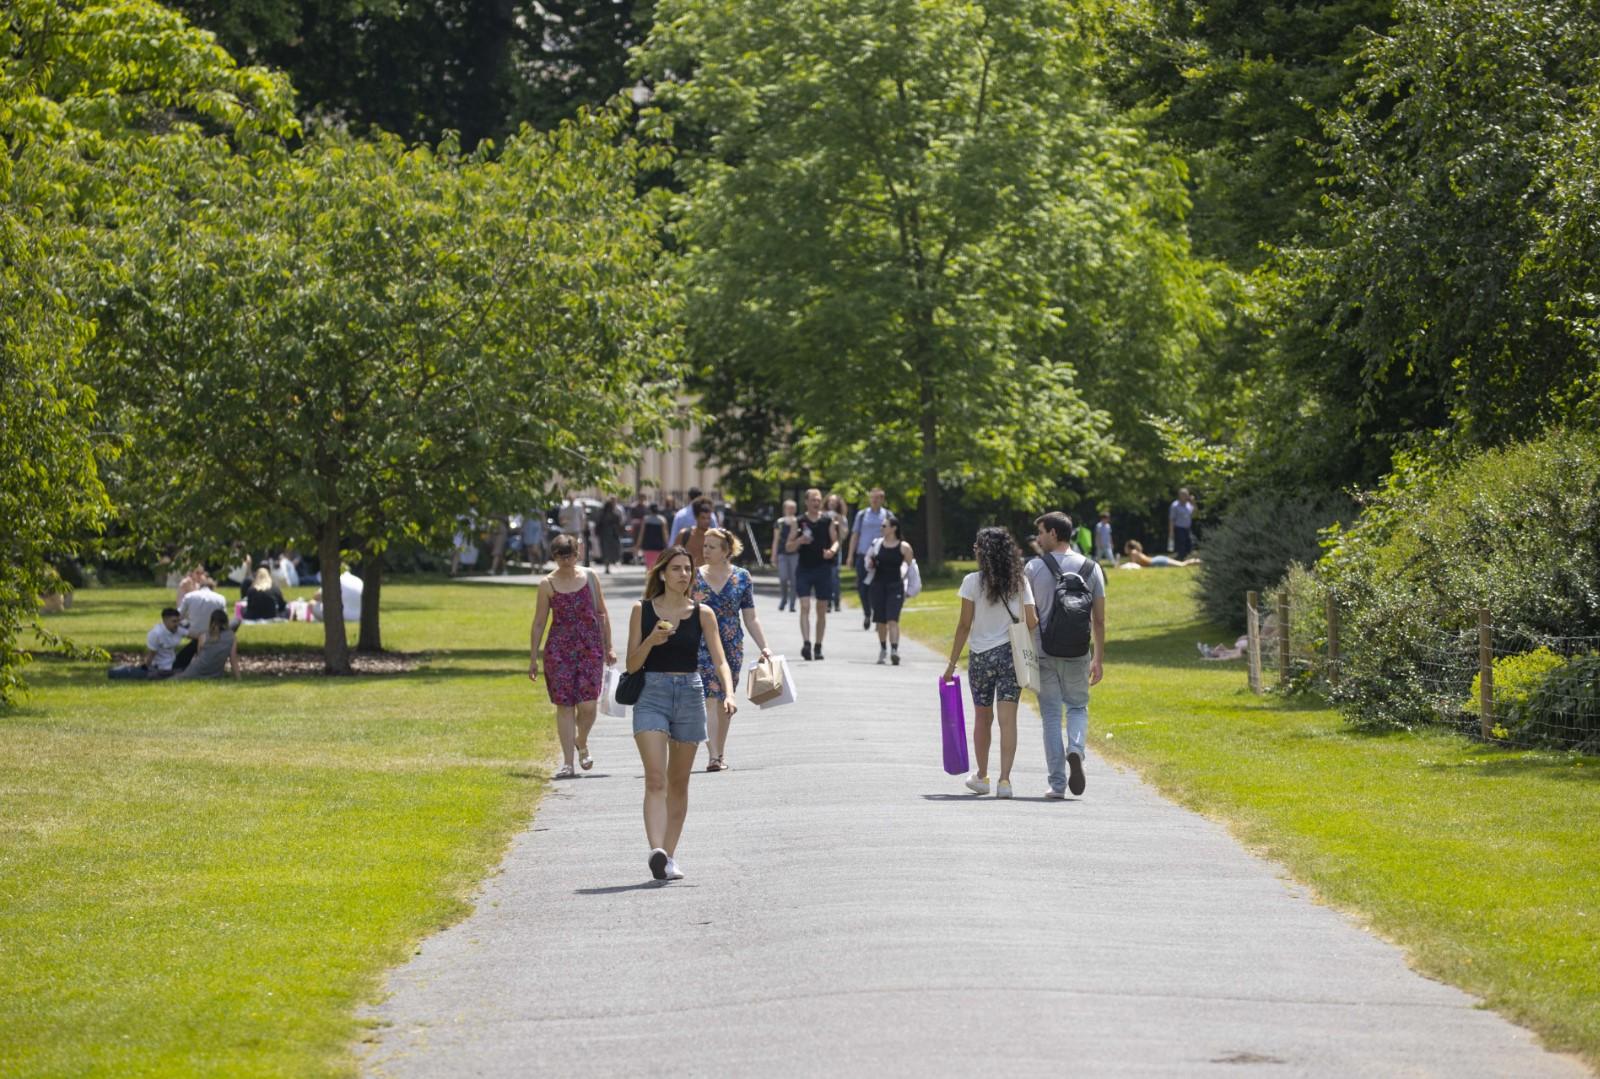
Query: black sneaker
[[805, 650], [658, 864], [866, 621], [1075, 781], [816, 653], [894, 657]]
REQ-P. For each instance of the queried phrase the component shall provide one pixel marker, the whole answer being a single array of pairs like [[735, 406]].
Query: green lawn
[[1483, 864], [211, 877]]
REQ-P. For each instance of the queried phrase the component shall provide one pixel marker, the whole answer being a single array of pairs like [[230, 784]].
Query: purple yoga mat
[[953, 724]]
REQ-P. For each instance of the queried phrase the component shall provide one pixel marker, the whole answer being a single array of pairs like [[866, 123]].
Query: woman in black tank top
[[887, 592], [665, 636]]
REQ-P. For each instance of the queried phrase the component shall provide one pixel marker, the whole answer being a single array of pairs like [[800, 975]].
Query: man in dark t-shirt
[[816, 539]]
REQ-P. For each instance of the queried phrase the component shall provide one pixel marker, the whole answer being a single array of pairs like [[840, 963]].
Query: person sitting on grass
[[218, 648], [160, 646], [263, 602], [1133, 550]]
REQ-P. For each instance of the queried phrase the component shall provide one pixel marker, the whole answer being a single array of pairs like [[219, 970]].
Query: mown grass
[[1483, 864], [210, 878]]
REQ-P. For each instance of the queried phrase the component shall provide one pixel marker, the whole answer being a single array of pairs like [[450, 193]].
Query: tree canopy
[[918, 225]]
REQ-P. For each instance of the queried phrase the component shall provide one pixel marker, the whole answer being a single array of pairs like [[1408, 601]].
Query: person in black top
[[665, 633], [887, 592], [262, 600], [816, 539], [652, 536]]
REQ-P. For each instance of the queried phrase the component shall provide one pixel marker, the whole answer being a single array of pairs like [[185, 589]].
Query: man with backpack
[[1070, 591]]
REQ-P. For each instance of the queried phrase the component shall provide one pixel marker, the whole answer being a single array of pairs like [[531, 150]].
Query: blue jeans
[[1182, 542], [788, 566], [674, 704], [1063, 684]]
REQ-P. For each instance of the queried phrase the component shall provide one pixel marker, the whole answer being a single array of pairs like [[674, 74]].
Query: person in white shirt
[[160, 649], [350, 587], [992, 599], [194, 611]]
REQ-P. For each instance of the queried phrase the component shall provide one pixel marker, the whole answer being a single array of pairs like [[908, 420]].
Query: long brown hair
[[999, 564], [655, 582]]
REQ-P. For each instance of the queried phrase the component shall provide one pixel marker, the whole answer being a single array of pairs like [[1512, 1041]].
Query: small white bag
[[608, 695], [1024, 661], [788, 696]]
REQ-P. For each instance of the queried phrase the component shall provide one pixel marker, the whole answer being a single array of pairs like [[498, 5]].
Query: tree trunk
[[371, 587], [932, 496], [335, 649]]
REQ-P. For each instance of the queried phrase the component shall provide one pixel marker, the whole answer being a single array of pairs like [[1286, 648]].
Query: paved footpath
[[850, 910]]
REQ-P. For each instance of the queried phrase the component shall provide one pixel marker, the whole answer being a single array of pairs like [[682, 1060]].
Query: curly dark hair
[[999, 564]]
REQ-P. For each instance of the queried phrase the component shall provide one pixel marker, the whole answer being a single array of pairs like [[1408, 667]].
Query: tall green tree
[[362, 340], [78, 81], [423, 67], [909, 223], [1443, 298]]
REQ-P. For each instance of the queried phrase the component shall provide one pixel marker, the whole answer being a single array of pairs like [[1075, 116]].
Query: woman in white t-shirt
[[991, 600]]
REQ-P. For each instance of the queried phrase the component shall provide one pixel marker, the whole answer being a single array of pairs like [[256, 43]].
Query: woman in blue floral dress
[[727, 590]]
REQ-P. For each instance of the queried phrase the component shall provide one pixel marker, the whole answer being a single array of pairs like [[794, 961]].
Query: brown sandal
[[715, 765]]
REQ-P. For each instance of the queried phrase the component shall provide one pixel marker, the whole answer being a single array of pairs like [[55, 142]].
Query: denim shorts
[[990, 675], [814, 581], [674, 704]]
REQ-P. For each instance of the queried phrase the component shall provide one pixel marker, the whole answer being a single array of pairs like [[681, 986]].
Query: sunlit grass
[[211, 877], [1483, 864]]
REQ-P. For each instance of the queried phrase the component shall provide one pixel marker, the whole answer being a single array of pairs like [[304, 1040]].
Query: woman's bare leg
[[713, 723], [653, 753], [1008, 737], [586, 715], [567, 729], [680, 763], [981, 720]]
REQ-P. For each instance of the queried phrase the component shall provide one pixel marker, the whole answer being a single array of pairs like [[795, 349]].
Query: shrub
[[1564, 709], [1251, 548], [1515, 530], [1515, 678]]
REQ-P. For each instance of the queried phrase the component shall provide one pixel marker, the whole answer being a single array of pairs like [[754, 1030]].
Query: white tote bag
[[789, 695], [608, 695], [1023, 658], [913, 578]]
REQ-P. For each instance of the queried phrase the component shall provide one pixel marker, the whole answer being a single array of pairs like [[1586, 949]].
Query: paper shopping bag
[[608, 695], [766, 680], [953, 725], [787, 694]]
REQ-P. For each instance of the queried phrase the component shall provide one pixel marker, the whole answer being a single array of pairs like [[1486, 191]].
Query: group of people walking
[[686, 638], [686, 635]]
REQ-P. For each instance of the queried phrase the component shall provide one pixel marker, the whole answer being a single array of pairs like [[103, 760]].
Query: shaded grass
[[1482, 863], [211, 877]]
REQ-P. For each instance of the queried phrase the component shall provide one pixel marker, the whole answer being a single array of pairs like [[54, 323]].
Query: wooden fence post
[[1283, 639], [1252, 621], [1485, 673], [1333, 641]]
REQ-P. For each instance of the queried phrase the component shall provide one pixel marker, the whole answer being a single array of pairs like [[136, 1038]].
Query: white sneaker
[[1055, 795], [978, 785], [673, 872], [658, 863], [1004, 789]]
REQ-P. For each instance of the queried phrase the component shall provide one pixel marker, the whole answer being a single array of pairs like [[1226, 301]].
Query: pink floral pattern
[[574, 661]]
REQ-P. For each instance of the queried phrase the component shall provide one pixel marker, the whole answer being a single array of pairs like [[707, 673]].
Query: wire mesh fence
[[1500, 684]]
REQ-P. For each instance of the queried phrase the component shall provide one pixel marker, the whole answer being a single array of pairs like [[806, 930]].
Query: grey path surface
[[850, 910]]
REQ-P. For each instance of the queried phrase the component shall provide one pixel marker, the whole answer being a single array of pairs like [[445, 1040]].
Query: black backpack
[[1065, 631]]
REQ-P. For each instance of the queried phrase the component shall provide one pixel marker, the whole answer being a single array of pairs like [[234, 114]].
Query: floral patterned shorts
[[990, 675]]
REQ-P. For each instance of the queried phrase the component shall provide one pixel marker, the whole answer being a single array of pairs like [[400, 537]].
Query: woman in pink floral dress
[[727, 590], [576, 652]]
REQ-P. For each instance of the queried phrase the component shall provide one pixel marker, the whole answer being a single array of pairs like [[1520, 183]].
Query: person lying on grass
[[1133, 550]]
